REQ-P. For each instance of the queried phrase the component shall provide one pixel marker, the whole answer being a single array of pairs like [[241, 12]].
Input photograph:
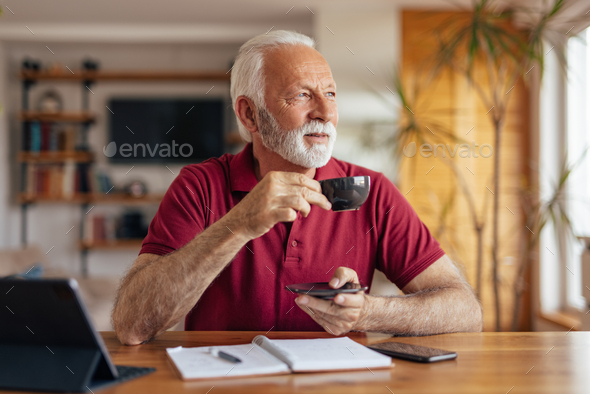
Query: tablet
[[48, 341], [323, 290]]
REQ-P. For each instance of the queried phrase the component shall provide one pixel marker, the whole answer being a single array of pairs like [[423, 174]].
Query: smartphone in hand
[[323, 290]]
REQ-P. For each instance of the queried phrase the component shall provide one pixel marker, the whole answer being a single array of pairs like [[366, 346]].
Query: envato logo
[[464, 150], [140, 150]]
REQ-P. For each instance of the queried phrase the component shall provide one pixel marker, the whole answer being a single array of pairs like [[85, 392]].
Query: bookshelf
[[90, 198], [73, 117], [125, 75], [52, 154], [55, 156]]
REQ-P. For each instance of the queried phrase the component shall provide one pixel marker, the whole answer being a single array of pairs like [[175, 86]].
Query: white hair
[[247, 77]]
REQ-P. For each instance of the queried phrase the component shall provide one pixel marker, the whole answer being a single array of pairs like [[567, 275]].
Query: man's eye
[[302, 95], [331, 94]]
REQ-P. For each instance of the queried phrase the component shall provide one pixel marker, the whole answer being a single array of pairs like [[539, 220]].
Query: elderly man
[[233, 231]]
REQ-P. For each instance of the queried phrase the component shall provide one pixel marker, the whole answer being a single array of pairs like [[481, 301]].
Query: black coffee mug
[[346, 194]]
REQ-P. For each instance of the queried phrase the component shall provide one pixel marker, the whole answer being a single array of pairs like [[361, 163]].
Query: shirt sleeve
[[406, 247], [180, 216]]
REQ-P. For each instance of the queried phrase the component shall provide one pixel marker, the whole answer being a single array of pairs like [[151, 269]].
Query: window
[[565, 135], [551, 152], [578, 142]]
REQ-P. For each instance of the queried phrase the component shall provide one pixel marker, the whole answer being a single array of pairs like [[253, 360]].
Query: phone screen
[[413, 352]]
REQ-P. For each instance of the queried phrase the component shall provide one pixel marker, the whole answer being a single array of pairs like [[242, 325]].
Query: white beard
[[289, 144]]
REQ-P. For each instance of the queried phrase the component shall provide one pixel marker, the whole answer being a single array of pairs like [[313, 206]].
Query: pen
[[225, 356]]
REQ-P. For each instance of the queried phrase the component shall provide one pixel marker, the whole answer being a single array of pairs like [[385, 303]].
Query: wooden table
[[487, 363]]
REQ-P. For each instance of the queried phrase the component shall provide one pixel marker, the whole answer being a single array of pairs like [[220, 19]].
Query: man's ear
[[246, 112]]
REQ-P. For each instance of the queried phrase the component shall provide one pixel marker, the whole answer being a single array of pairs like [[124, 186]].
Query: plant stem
[[518, 283], [479, 234], [495, 217]]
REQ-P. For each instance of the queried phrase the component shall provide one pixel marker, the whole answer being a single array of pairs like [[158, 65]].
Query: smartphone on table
[[405, 351]]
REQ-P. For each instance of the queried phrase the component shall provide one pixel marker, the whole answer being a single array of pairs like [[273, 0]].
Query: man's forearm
[[433, 311], [156, 296]]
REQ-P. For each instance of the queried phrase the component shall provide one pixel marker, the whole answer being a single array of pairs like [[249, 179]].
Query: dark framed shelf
[[91, 198], [124, 75], [55, 156], [74, 117]]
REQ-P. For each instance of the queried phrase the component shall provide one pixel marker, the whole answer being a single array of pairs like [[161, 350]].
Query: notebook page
[[328, 354], [198, 363]]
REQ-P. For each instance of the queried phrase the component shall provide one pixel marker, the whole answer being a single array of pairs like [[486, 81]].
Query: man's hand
[[341, 315], [276, 198]]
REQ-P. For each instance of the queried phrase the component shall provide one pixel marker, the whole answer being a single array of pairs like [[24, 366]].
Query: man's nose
[[323, 110]]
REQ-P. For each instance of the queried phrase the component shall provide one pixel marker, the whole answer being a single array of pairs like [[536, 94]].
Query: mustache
[[269, 125], [316, 127]]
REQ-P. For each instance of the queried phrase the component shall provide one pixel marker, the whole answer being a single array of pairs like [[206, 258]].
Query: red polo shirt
[[249, 294]]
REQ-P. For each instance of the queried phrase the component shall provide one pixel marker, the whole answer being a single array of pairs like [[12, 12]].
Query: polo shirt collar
[[243, 179], [241, 171]]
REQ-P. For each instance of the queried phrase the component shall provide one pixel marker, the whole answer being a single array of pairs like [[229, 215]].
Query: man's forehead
[[317, 70], [291, 64]]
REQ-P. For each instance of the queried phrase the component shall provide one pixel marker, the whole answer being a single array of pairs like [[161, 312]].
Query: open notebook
[[277, 356]]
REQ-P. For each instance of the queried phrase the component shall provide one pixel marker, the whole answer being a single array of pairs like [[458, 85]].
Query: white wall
[[8, 231]]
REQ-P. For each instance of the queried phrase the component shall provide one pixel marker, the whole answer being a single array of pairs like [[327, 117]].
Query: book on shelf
[[275, 356], [64, 179], [99, 228], [49, 137], [100, 181], [102, 228]]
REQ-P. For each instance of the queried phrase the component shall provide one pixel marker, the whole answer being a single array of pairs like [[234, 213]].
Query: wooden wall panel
[[453, 103]]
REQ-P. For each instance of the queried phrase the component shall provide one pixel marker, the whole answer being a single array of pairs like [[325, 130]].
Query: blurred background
[[476, 110]]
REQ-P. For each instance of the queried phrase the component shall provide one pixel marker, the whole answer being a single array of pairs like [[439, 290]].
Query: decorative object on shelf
[[136, 189], [50, 102], [90, 65], [131, 226]]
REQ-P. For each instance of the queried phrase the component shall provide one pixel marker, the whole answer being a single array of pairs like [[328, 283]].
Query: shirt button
[[294, 243]]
